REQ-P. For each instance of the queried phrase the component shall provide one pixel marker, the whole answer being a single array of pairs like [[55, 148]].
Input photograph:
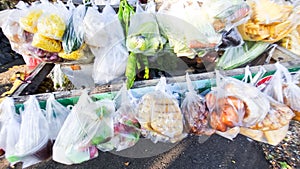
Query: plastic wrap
[[111, 54], [126, 126], [34, 131], [56, 114], [143, 33], [194, 109], [160, 116], [89, 124]]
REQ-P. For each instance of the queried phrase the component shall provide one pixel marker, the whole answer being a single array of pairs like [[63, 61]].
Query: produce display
[[138, 42]]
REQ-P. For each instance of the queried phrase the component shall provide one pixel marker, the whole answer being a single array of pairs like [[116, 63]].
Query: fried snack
[[269, 22], [278, 116], [161, 114]]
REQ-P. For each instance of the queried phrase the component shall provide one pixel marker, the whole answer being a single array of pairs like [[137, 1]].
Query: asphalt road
[[216, 152]]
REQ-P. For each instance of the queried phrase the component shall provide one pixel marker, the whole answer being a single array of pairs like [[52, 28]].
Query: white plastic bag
[[9, 129], [88, 124], [111, 55], [56, 115], [34, 131]]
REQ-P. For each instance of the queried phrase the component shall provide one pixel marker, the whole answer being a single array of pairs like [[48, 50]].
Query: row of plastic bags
[[230, 108]]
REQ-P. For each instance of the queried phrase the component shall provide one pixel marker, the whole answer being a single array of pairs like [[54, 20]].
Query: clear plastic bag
[[89, 124], [143, 33], [73, 36], [237, 56], [56, 114], [283, 88], [52, 22], [160, 116], [11, 27], [194, 109], [126, 126], [110, 60], [270, 20], [34, 131], [9, 129], [235, 103]]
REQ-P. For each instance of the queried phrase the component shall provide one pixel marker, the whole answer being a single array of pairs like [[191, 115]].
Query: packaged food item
[[47, 44], [160, 116], [270, 21], [235, 103], [73, 35], [29, 21], [89, 124], [194, 110], [126, 126], [51, 26], [283, 88]]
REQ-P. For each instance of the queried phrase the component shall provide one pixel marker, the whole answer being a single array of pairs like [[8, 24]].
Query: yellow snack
[[51, 26], [47, 44], [75, 55], [29, 22], [269, 22]]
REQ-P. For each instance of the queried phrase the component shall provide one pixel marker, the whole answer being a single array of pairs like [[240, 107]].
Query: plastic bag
[[9, 129], [143, 32], [160, 116], [273, 128], [56, 114], [110, 60], [89, 124], [194, 109], [283, 88], [126, 126], [73, 36], [34, 131], [52, 23], [270, 20], [11, 27], [47, 44], [235, 103], [237, 56]]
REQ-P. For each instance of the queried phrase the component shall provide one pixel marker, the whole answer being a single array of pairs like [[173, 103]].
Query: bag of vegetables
[[144, 36], [89, 124], [126, 126]]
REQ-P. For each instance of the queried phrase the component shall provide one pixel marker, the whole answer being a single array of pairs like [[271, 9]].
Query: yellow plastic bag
[[47, 44]]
